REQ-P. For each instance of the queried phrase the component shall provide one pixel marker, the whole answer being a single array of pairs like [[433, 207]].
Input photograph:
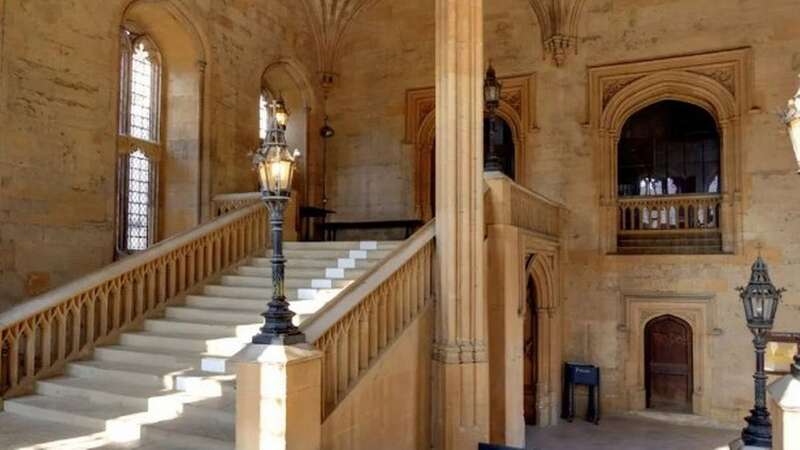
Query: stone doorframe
[[719, 82], [696, 309], [512, 255], [517, 108]]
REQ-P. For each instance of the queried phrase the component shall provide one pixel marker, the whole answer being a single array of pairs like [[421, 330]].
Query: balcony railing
[[684, 213], [508, 203]]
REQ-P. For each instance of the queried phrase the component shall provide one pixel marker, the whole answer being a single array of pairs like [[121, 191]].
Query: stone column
[[461, 377], [278, 397]]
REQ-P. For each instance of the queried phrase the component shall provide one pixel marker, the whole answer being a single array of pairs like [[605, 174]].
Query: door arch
[[668, 364]]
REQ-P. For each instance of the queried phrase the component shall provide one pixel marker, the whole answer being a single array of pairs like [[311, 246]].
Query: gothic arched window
[[140, 141]]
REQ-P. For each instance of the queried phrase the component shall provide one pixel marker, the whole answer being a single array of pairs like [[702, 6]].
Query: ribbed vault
[[329, 20]]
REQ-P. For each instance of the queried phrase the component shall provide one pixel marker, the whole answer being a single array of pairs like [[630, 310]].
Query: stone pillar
[[278, 397], [785, 410], [461, 377]]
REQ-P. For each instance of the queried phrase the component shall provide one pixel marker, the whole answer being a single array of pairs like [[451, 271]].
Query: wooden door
[[668, 364], [531, 354]]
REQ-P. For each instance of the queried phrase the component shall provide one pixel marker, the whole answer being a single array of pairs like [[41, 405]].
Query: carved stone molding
[[558, 22], [719, 82]]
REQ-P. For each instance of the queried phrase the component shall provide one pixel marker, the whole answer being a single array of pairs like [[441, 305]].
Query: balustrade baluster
[[77, 322], [62, 336], [353, 335], [383, 320], [91, 322], [127, 301], [343, 365], [374, 333], [190, 268], [363, 341], [47, 343], [139, 293], [103, 306], [13, 361], [30, 352], [150, 279], [331, 383]]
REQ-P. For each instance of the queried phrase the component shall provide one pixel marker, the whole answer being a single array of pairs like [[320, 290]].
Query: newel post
[[278, 397]]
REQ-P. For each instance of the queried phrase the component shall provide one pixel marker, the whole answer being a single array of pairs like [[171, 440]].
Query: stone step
[[342, 245], [333, 273], [247, 306], [149, 356], [226, 316], [162, 377], [371, 255], [255, 281], [194, 432], [201, 343], [256, 293], [143, 398], [319, 263], [178, 326]]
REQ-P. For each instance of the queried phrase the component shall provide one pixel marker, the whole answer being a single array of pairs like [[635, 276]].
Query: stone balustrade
[[508, 203], [40, 336], [685, 213], [226, 203], [367, 316]]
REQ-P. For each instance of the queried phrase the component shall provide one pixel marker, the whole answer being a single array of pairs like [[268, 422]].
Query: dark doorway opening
[[668, 364], [531, 363]]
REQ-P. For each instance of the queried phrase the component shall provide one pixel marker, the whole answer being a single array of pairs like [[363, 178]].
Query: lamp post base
[[279, 339], [758, 432]]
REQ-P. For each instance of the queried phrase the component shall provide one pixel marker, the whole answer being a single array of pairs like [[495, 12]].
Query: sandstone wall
[[58, 123], [390, 50]]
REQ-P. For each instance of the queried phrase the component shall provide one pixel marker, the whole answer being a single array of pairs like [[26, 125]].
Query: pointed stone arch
[[718, 82]]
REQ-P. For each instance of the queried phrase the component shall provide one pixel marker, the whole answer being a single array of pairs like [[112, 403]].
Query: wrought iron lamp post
[[491, 96], [760, 299], [276, 166], [792, 119]]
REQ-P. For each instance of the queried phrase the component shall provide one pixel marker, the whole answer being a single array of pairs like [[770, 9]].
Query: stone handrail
[[225, 203], [512, 204], [694, 212], [361, 321], [39, 337]]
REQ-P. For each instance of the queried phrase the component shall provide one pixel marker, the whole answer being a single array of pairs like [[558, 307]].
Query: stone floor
[[629, 433]]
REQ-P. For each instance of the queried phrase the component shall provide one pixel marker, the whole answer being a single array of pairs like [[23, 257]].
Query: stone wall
[[390, 50], [58, 124]]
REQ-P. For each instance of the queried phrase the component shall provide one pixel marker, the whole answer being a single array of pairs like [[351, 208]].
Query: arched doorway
[[668, 364], [531, 342]]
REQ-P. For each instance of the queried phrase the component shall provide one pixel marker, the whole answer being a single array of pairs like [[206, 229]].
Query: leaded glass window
[[140, 147], [140, 185]]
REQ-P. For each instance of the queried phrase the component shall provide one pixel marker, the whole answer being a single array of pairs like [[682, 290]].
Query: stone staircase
[[168, 386]]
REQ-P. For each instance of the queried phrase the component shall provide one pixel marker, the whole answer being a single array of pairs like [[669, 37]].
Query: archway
[[668, 364]]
